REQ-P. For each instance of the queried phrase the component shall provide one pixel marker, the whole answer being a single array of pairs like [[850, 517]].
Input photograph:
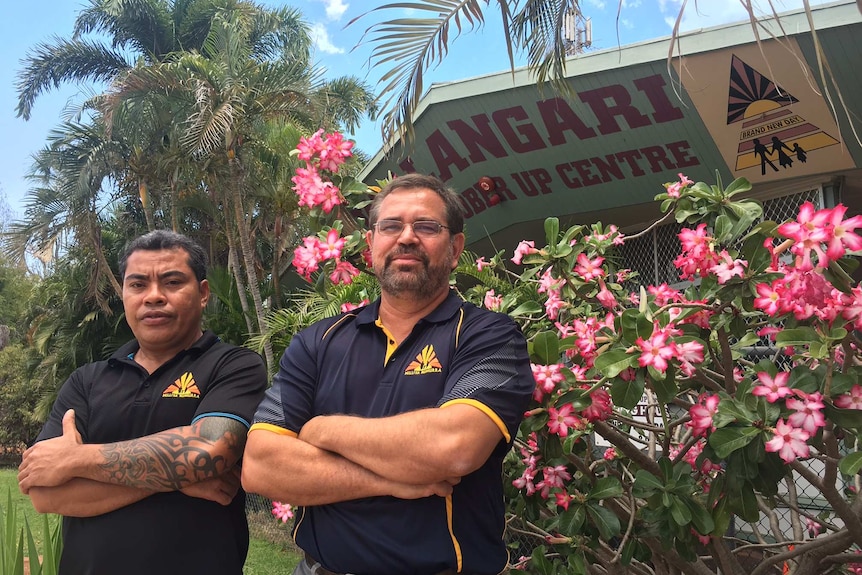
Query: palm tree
[[125, 32], [64, 207], [249, 73]]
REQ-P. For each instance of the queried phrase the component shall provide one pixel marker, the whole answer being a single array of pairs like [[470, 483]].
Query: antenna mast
[[577, 31]]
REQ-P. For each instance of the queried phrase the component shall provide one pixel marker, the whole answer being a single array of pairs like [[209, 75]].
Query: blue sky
[[25, 24]]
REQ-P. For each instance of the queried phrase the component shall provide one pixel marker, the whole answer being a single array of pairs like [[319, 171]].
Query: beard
[[425, 282]]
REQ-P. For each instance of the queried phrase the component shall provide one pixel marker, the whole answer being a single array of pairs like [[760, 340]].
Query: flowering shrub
[[671, 424]]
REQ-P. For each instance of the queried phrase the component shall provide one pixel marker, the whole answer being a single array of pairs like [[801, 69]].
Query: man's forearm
[[287, 469], [172, 459], [417, 447], [165, 461], [84, 498]]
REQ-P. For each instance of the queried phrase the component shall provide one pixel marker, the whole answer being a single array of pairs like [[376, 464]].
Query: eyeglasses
[[422, 228]]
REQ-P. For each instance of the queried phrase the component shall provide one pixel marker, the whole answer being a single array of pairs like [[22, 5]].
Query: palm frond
[[411, 46], [48, 66]]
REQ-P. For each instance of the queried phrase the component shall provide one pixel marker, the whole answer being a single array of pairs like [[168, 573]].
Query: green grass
[[23, 508], [270, 552]]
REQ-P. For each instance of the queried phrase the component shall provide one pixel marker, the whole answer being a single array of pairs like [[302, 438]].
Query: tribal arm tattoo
[[175, 458]]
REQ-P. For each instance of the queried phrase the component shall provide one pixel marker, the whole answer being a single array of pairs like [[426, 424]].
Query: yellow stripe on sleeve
[[273, 429], [484, 409]]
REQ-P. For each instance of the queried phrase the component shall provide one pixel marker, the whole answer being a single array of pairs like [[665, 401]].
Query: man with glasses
[[388, 425]]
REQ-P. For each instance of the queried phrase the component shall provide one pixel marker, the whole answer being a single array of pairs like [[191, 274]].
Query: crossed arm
[[338, 457], [63, 475]]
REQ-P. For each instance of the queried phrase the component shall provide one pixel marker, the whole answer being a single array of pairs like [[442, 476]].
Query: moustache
[[406, 252]]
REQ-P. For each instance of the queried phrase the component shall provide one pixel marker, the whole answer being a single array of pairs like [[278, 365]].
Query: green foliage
[[19, 396], [673, 381], [44, 560]]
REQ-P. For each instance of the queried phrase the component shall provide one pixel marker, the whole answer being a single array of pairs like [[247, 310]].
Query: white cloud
[[632, 3], [335, 9], [627, 24], [322, 41], [598, 4]]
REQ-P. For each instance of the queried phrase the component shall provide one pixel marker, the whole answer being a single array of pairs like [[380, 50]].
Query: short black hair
[[454, 209], [168, 240]]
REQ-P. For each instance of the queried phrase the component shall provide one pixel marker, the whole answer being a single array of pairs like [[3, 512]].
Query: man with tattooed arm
[[140, 452]]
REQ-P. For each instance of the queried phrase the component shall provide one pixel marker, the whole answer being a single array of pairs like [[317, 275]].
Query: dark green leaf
[[745, 505], [727, 440], [546, 347], [700, 517], [606, 487], [605, 520], [796, 336], [679, 512], [646, 484], [572, 520], [552, 230], [611, 363], [527, 308], [627, 394], [850, 464]]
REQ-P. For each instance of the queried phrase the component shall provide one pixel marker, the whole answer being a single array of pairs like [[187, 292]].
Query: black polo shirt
[[116, 400], [347, 365]]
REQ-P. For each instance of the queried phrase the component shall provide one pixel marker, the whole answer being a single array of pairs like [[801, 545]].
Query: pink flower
[[331, 248], [702, 413], [840, 233], [282, 511], [563, 499], [329, 152], [343, 273], [589, 269], [524, 248], [814, 527], [307, 258], [664, 294], [548, 283], [600, 408], [554, 304], [689, 355], [348, 306], [771, 388], [788, 441], [655, 351], [769, 299], [674, 188], [482, 264], [605, 297], [493, 302], [547, 377], [560, 420], [809, 411], [728, 268], [526, 480], [809, 233], [610, 454], [553, 477], [851, 400]]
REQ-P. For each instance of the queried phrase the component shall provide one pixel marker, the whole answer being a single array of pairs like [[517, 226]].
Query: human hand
[[50, 463], [221, 489]]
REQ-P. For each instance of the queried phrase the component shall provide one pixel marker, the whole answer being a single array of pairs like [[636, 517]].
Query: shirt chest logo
[[184, 386], [425, 362]]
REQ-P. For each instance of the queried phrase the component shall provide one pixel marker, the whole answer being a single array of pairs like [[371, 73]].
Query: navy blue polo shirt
[[117, 400], [347, 365]]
